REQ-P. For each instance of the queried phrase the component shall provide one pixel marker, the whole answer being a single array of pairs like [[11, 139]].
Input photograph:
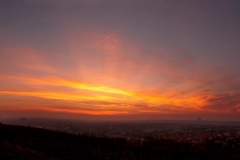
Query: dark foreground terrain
[[17, 142]]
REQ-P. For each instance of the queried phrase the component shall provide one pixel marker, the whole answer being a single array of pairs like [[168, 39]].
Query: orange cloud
[[54, 81], [57, 95], [22, 58], [98, 95], [120, 83]]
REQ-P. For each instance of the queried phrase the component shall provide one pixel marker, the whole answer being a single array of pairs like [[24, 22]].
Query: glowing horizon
[[124, 58]]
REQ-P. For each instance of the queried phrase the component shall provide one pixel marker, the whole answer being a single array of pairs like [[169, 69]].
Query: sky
[[121, 59]]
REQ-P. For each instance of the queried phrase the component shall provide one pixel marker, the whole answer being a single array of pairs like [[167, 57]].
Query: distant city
[[195, 131]]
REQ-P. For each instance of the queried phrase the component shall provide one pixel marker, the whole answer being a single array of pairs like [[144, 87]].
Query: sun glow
[[105, 100], [120, 57]]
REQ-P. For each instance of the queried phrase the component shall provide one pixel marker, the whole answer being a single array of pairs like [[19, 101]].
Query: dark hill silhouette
[[17, 142]]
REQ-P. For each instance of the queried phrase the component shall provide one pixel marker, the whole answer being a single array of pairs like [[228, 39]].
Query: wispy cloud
[[177, 65], [128, 24]]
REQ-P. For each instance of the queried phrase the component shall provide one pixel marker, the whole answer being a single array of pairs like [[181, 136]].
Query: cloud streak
[[97, 93], [128, 25], [177, 65]]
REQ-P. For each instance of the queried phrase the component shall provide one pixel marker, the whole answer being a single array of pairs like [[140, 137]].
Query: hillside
[[17, 142]]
